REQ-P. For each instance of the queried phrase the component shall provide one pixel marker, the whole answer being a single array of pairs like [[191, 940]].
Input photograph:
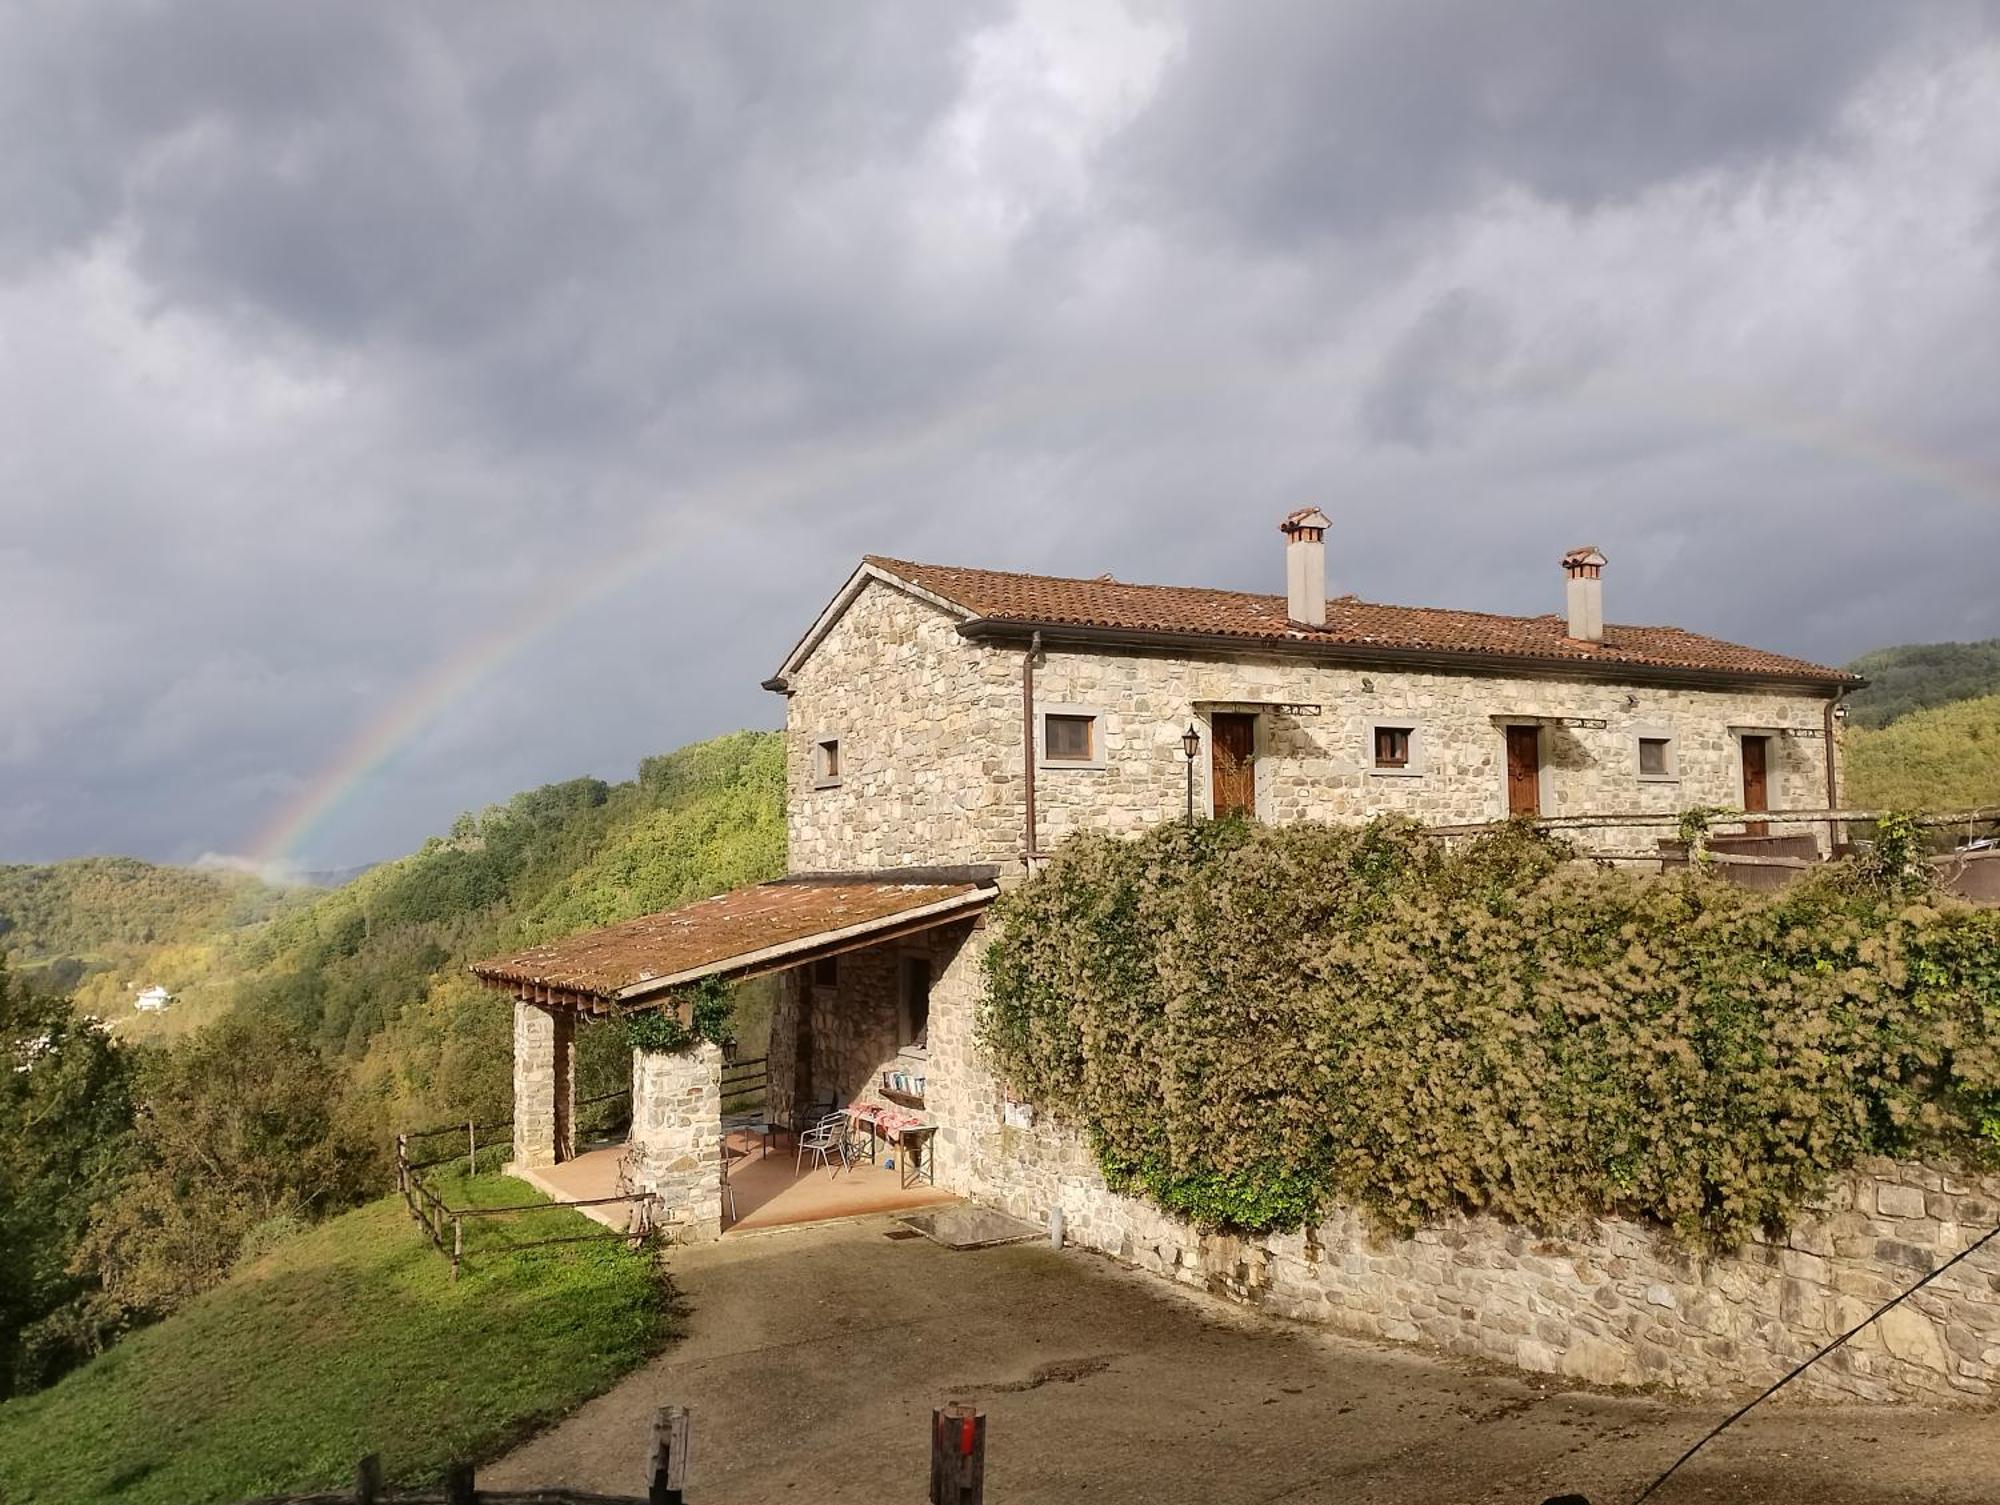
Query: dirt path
[[815, 1355]]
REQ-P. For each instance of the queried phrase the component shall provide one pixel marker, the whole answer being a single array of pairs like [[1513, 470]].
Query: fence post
[[958, 1455], [368, 1480], [403, 1165], [458, 1484], [673, 1452], [457, 1243], [471, 1148]]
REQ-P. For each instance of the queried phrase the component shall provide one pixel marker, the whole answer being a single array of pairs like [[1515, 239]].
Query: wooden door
[[1756, 782], [1524, 770], [1233, 767]]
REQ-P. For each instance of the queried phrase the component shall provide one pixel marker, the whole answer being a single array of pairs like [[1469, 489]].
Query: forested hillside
[[93, 916], [134, 1175], [1917, 676], [1943, 758]]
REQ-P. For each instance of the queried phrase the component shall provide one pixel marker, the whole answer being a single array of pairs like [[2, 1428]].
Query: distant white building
[[152, 1000]]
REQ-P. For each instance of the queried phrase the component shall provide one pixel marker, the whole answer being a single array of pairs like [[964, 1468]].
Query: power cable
[[1741, 1412]]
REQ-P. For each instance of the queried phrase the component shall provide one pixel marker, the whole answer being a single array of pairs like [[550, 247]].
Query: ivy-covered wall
[[1252, 1026]]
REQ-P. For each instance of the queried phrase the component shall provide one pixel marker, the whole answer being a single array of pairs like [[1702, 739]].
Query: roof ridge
[[1346, 598], [1099, 580], [1023, 597]]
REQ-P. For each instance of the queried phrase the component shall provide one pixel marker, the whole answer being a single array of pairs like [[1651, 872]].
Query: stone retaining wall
[[1614, 1305]]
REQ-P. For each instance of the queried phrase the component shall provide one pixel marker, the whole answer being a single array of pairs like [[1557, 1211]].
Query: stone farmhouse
[[946, 726]]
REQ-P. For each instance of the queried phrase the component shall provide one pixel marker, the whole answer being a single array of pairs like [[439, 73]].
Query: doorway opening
[[1524, 771], [1232, 777], [1756, 783]]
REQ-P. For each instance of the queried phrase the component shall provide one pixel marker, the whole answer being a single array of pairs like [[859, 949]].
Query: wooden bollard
[[458, 1484], [958, 1455], [368, 1480], [673, 1454]]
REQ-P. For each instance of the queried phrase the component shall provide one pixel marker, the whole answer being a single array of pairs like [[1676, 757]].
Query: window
[[1072, 736], [1393, 749], [826, 972], [826, 763], [1656, 756], [915, 1002], [1068, 739]]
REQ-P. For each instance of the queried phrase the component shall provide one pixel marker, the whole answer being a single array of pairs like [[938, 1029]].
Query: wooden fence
[[1749, 855], [445, 1224], [743, 1082]]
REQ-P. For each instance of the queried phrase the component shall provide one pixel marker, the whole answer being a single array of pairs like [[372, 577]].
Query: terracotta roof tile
[[717, 935], [1047, 600]]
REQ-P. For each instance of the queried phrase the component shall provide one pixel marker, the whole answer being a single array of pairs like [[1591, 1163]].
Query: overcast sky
[[339, 340]]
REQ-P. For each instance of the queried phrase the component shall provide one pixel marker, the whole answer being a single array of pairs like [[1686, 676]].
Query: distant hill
[[1943, 758], [66, 922], [1918, 676], [376, 967], [375, 970]]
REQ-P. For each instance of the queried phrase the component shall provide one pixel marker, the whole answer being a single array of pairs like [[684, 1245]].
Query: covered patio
[[856, 956], [767, 1186]]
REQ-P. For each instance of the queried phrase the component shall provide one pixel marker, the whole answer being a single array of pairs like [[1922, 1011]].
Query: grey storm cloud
[[337, 340]]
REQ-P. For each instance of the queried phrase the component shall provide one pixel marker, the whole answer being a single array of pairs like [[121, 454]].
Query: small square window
[[1656, 757], [826, 762], [826, 972], [1069, 739], [1392, 746]]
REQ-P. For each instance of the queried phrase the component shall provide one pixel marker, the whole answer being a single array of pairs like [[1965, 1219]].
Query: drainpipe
[[1832, 777], [1028, 852]]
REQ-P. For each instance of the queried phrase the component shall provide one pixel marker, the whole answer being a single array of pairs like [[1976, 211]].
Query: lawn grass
[[348, 1339]]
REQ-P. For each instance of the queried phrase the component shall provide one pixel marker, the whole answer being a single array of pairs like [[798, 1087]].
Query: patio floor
[[770, 1192]]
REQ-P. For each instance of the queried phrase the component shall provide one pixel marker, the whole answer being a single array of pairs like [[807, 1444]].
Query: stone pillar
[[677, 1136], [960, 1094], [544, 1084], [781, 1054]]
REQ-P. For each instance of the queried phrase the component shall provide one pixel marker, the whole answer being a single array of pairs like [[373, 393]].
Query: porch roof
[[744, 933]]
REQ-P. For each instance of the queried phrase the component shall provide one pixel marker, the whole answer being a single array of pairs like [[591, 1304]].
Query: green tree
[[237, 1130], [65, 1128]]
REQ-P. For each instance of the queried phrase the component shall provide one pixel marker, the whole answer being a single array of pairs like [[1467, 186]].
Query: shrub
[[1252, 1023]]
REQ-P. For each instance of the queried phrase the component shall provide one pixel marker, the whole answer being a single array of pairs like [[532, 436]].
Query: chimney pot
[[1305, 566], [1583, 571]]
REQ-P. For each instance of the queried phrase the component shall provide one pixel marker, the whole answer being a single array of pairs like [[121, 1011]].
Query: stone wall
[[856, 1024], [930, 733], [930, 772], [544, 1083], [677, 1135], [1315, 743], [1614, 1304]]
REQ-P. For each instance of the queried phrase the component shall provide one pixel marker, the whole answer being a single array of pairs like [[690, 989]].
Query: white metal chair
[[823, 1141]]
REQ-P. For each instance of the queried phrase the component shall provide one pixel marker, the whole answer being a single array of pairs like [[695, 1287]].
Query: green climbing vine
[[1250, 1024], [711, 1008]]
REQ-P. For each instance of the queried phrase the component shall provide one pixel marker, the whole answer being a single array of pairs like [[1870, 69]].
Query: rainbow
[[314, 807]]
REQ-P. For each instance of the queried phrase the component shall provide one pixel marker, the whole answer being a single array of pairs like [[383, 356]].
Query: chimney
[[1584, 569], [1305, 566]]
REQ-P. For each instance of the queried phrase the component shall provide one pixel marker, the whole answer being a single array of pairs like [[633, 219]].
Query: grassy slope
[[1944, 758], [344, 1340], [1916, 676]]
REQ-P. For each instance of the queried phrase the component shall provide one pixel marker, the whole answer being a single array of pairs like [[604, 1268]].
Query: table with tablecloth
[[912, 1133]]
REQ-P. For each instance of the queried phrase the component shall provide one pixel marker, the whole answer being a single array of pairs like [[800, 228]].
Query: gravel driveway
[[814, 1356]]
